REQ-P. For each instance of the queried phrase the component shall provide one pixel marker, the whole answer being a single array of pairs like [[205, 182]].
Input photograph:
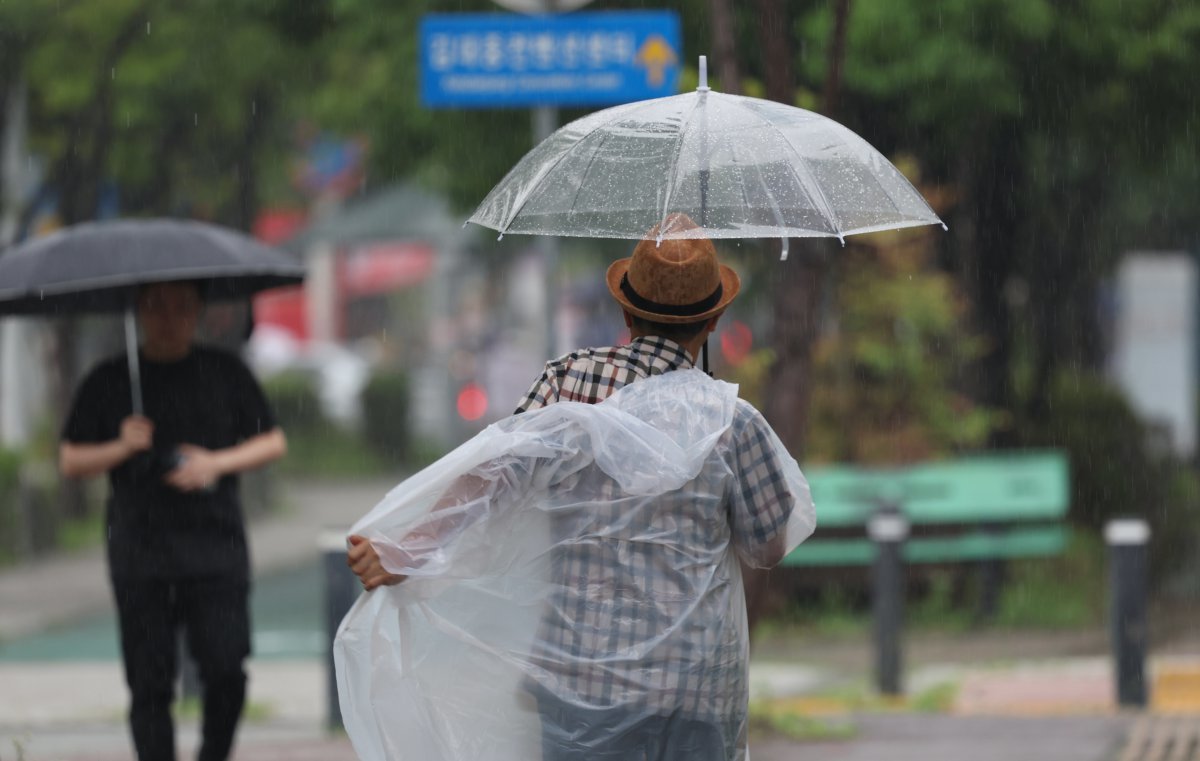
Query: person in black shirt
[[176, 541]]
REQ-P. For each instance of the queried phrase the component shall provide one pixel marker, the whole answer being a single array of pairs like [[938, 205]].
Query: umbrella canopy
[[97, 266], [740, 167]]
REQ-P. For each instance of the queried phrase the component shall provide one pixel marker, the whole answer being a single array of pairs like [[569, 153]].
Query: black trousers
[[213, 613], [574, 733]]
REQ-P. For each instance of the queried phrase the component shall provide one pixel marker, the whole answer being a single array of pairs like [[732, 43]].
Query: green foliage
[[294, 401], [10, 523], [1119, 468], [794, 719], [1066, 592], [385, 404], [937, 698], [31, 517], [181, 104], [370, 85], [886, 380], [331, 453], [316, 446], [191, 709], [1112, 473], [81, 533]]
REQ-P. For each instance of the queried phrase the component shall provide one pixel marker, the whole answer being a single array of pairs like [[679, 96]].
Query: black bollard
[[1127, 541], [888, 528], [341, 590]]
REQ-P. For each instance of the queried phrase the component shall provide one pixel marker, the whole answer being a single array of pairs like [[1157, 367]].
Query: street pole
[[1127, 540], [545, 121], [14, 334], [888, 528]]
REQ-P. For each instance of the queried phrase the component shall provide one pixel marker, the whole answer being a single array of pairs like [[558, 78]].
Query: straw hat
[[674, 281]]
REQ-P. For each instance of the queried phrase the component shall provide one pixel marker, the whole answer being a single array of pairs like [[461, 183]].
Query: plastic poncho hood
[[573, 578]]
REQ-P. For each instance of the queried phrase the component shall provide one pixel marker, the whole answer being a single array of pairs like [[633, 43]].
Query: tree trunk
[[776, 50], [247, 173], [1063, 287], [79, 175], [725, 61], [796, 317], [995, 183], [800, 281], [837, 56]]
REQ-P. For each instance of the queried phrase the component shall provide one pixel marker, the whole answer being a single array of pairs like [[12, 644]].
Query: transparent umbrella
[[740, 167]]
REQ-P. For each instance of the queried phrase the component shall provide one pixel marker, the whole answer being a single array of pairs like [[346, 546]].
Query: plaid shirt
[[592, 375], [650, 607]]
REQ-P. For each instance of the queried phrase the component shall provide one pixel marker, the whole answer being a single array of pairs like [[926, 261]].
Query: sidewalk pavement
[[1047, 701]]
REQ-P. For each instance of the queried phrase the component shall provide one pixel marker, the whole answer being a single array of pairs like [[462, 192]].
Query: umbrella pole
[[131, 352], [704, 358]]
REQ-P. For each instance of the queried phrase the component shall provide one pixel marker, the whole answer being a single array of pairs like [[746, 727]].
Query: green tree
[[1042, 115], [887, 377], [169, 102]]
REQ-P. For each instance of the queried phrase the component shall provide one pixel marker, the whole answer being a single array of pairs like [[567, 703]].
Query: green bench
[[983, 508]]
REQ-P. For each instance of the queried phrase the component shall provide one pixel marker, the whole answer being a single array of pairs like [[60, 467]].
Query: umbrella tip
[[703, 86], [944, 228], [500, 236]]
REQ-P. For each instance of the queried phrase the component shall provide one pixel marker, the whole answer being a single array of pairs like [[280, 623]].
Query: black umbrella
[[98, 266]]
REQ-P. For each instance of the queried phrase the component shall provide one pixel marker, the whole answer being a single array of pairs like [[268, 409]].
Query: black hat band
[[670, 310]]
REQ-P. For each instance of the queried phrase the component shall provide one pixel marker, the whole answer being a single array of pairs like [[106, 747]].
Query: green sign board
[[1001, 487]]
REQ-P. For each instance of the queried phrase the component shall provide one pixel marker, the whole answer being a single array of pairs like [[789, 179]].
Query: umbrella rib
[[588, 168], [671, 184], [546, 168], [766, 186], [892, 198], [814, 188]]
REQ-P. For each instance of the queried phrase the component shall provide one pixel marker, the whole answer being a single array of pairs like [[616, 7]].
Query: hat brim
[[730, 284]]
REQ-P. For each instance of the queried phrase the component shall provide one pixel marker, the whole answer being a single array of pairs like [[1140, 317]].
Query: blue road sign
[[492, 59]]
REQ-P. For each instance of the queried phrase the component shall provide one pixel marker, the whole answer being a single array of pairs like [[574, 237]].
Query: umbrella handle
[[131, 353]]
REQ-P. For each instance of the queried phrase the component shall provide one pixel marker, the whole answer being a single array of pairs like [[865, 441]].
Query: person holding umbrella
[[177, 551], [655, 488]]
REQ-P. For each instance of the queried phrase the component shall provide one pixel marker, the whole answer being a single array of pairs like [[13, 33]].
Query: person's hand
[[137, 434], [197, 469], [364, 561]]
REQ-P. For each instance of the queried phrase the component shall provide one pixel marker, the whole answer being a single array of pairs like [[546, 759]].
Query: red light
[[736, 342], [472, 402]]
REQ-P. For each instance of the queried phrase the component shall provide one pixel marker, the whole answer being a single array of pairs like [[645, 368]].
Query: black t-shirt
[[209, 399]]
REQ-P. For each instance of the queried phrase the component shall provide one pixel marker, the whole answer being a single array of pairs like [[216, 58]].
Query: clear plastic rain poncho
[[573, 582]]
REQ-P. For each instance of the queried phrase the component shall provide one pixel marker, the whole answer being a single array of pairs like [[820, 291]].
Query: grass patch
[[938, 698], [330, 452], [1066, 592], [830, 716], [18, 746], [190, 708], [800, 719], [1058, 593], [82, 533]]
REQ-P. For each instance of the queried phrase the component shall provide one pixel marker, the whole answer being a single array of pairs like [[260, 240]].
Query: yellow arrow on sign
[[656, 54]]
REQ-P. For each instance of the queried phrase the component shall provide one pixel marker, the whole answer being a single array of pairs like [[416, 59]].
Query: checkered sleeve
[[544, 390], [770, 506]]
